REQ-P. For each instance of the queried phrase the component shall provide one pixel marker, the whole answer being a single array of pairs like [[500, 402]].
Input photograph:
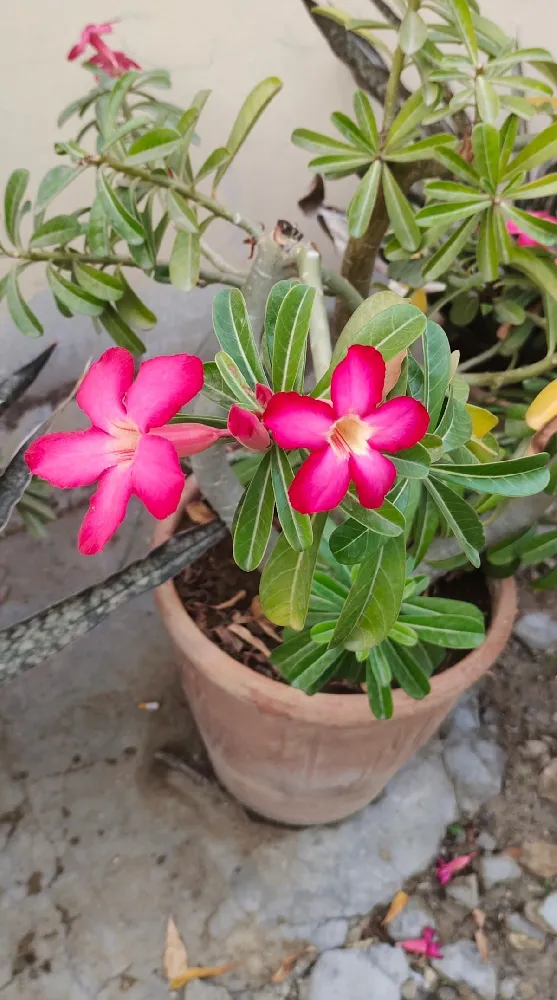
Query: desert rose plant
[[351, 468]]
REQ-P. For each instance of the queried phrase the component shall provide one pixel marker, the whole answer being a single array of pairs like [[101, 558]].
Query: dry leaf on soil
[[230, 602], [480, 936], [398, 903], [175, 961], [199, 512], [252, 640], [288, 963]]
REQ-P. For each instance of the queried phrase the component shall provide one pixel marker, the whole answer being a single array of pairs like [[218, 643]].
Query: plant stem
[[219, 262], [172, 184], [391, 95], [496, 379], [335, 284], [266, 269], [480, 358], [309, 267]]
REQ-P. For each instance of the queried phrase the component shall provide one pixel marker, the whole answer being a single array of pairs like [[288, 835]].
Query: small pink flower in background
[[446, 870], [426, 945], [111, 62], [128, 448], [247, 426], [88, 36], [523, 240], [346, 438]]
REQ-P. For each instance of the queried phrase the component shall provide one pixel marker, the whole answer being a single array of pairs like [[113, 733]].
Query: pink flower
[[127, 448], [446, 870], [427, 945], [247, 426], [111, 62], [523, 240], [88, 36], [346, 438]]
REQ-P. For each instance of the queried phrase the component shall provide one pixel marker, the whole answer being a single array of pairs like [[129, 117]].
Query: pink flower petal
[[157, 478], [373, 476], [298, 421], [162, 387], [446, 870], [101, 393], [320, 483], [263, 394], [398, 423], [125, 62], [248, 429], [427, 944], [357, 382], [75, 458], [107, 509], [190, 439]]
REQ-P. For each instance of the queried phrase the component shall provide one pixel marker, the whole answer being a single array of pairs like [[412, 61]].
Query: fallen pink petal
[[427, 945], [446, 870], [130, 448], [346, 437]]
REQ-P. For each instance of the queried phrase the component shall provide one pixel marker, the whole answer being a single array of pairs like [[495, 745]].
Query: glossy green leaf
[[255, 521], [390, 331], [539, 150], [351, 132], [234, 379], [443, 606], [516, 477], [542, 230], [403, 635], [316, 142], [181, 213], [100, 284], [460, 517], [278, 292], [363, 202], [121, 333], [400, 212], [442, 259], [215, 388], [373, 604], [296, 526], [234, 333], [437, 215], [352, 542], [423, 149], [539, 269], [117, 97], [215, 160], [425, 527], [450, 631], [97, 233], [73, 296], [455, 426], [23, 317], [437, 365], [407, 120], [487, 100], [339, 166], [457, 165], [412, 463], [507, 139], [185, 261], [485, 144], [155, 145], [132, 310], [366, 118], [250, 112], [386, 520], [465, 27], [57, 231], [407, 671], [286, 579], [290, 336], [126, 225], [134, 124], [13, 198], [487, 252], [542, 187], [53, 183], [378, 683], [412, 33]]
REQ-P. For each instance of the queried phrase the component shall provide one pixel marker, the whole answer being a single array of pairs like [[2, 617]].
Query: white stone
[[476, 767], [411, 921], [499, 868], [486, 842], [198, 990], [517, 924], [465, 718], [507, 989], [533, 749], [331, 934], [465, 890], [462, 963], [537, 630], [548, 911], [358, 974]]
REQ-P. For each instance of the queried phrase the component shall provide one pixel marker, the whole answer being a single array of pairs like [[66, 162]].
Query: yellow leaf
[[419, 299], [541, 102], [543, 408], [175, 958], [398, 903], [200, 972], [482, 420]]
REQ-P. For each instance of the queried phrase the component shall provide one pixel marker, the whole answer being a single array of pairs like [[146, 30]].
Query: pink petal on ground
[[357, 382], [75, 458], [427, 944], [107, 509], [190, 439], [373, 476], [298, 421], [263, 394], [320, 483], [248, 429], [157, 478], [398, 423], [101, 393], [446, 870], [162, 387]]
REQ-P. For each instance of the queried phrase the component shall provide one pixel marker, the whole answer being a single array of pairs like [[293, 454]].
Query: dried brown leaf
[[482, 944], [399, 901], [252, 640], [256, 608], [268, 629], [200, 972], [288, 963], [175, 957], [228, 639], [230, 602], [199, 512]]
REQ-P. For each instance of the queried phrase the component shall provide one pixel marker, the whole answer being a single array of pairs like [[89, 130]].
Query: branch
[[309, 266], [392, 93]]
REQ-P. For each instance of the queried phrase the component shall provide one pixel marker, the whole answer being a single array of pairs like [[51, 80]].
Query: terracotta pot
[[302, 760]]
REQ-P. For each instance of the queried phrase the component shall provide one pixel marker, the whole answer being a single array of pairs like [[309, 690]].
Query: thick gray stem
[[309, 267], [265, 271]]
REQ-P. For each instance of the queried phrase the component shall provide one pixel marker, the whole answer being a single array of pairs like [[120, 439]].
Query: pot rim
[[337, 709]]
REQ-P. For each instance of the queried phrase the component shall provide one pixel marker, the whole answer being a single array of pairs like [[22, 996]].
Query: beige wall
[[227, 45]]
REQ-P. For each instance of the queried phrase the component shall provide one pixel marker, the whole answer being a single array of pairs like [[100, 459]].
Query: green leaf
[[407, 120], [250, 112], [539, 150], [53, 183], [423, 149], [386, 520], [516, 477], [276, 296], [316, 142], [539, 269], [442, 259], [97, 233], [234, 333], [460, 517], [132, 310], [539, 229], [286, 579], [450, 631], [487, 101], [485, 144], [546, 582], [412, 33], [359, 321], [403, 635], [215, 388], [400, 212], [407, 670], [121, 333], [339, 166], [425, 528], [457, 165], [390, 331], [182, 214], [378, 683], [437, 215], [255, 521], [465, 27], [132, 125], [351, 132], [366, 119], [215, 159], [100, 284], [155, 145], [412, 463], [542, 187], [455, 426], [117, 98], [487, 251], [296, 527], [185, 261], [75, 298], [507, 138], [57, 231], [126, 225], [13, 198], [437, 366], [363, 201], [373, 604], [519, 106], [23, 317], [234, 379], [290, 337], [351, 542]]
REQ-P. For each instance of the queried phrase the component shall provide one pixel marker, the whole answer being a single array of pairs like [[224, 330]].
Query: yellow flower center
[[349, 434], [126, 438]]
